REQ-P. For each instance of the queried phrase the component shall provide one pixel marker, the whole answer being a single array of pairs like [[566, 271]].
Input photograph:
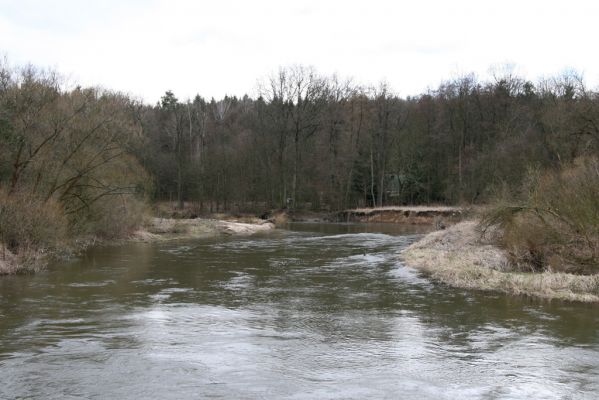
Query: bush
[[111, 218], [555, 225], [31, 228]]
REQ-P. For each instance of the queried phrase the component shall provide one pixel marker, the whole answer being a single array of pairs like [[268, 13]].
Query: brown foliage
[[66, 168], [30, 228], [556, 225]]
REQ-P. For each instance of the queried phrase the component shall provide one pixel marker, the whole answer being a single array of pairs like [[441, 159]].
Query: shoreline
[[154, 230], [157, 229], [410, 215], [459, 256], [462, 257]]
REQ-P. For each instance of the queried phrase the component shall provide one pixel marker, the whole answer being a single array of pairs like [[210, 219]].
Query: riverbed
[[314, 311]]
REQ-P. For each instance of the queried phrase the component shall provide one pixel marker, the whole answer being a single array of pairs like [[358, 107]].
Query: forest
[[78, 161], [312, 141]]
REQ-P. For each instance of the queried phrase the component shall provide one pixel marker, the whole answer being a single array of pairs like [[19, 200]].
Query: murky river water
[[316, 312]]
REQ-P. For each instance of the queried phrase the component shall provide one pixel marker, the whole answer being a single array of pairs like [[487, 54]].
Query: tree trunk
[[295, 167], [381, 186], [372, 178], [179, 172]]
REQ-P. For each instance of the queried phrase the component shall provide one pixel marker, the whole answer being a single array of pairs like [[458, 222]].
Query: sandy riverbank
[[462, 257], [169, 228]]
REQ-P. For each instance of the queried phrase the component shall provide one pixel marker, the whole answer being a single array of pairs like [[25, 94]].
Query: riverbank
[[169, 228], [412, 215], [154, 229], [461, 256], [170, 222]]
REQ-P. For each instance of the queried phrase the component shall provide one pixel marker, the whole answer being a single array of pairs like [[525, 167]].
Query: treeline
[[313, 141]]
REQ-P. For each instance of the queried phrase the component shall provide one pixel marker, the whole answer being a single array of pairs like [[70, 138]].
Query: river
[[311, 312]]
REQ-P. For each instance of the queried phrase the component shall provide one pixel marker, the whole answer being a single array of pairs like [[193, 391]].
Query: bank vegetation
[[469, 257], [67, 173], [542, 240], [82, 163]]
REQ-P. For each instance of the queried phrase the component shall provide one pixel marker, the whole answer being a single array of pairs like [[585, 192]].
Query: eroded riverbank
[[411, 215]]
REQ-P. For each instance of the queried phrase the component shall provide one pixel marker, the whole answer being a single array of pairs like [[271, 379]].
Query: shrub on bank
[[112, 218], [30, 229], [67, 169], [555, 224]]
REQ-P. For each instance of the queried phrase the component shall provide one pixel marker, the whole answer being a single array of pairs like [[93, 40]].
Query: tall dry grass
[[462, 257]]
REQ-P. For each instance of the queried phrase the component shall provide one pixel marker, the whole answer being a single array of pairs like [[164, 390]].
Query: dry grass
[[8, 261], [461, 257], [27, 260]]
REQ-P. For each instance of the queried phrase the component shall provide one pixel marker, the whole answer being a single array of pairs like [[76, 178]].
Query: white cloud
[[218, 47]]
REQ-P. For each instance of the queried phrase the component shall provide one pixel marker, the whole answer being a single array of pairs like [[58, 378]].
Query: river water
[[313, 312]]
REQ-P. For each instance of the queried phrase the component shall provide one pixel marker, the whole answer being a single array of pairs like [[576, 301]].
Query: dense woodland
[[320, 142], [85, 160], [306, 140]]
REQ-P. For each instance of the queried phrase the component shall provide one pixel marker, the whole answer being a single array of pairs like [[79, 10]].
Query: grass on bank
[[465, 257], [542, 240]]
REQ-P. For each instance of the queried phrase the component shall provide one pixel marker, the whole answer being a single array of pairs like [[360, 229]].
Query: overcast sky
[[222, 47]]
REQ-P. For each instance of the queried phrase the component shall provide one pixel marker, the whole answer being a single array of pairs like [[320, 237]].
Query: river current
[[309, 312]]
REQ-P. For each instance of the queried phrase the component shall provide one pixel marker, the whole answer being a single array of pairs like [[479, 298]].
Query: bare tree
[[298, 95]]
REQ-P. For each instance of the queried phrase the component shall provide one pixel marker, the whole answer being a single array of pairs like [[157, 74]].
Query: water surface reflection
[[322, 311]]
